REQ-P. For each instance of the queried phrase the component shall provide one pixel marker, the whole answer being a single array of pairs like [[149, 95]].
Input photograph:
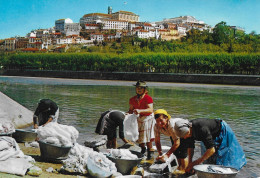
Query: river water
[[82, 101]]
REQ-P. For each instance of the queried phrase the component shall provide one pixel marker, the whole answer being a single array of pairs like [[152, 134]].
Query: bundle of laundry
[[123, 154], [58, 134], [85, 160], [12, 159], [77, 159], [6, 127]]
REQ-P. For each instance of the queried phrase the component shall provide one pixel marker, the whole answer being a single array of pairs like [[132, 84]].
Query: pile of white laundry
[[12, 159], [58, 134], [85, 160]]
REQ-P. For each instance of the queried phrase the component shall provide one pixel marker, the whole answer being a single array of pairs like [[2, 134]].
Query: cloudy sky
[[19, 17]]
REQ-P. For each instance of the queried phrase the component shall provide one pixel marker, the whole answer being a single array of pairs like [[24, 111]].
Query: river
[[82, 101]]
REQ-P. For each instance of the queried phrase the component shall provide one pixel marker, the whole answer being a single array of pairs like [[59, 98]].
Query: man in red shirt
[[142, 105]]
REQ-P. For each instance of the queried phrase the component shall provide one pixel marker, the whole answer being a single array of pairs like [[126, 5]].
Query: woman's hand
[[189, 168], [136, 111], [162, 158]]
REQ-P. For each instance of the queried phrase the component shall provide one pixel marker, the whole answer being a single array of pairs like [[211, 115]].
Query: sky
[[19, 17]]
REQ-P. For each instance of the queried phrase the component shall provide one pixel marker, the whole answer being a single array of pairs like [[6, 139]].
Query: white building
[[67, 27], [97, 36], [114, 24], [126, 16], [181, 30], [93, 18], [183, 19]]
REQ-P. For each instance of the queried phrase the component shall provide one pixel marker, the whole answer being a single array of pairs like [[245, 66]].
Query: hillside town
[[95, 28]]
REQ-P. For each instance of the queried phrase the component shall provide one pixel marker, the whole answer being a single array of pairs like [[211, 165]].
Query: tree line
[[198, 63]]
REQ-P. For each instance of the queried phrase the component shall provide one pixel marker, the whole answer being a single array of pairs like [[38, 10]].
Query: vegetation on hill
[[225, 51]]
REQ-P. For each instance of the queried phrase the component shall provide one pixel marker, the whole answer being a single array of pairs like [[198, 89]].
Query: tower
[[109, 10]]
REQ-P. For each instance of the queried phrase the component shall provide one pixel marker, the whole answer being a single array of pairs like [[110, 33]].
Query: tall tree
[[221, 33]]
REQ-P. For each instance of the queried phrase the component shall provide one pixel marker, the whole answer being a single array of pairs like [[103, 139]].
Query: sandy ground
[[35, 153]]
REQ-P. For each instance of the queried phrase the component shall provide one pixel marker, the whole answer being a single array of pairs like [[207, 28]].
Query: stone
[[169, 166], [96, 142], [34, 171]]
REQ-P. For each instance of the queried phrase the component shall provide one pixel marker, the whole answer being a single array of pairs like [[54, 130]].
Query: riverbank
[[226, 79]]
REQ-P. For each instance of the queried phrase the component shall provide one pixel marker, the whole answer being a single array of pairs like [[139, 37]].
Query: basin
[[125, 166], [21, 135], [53, 152], [202, 171]]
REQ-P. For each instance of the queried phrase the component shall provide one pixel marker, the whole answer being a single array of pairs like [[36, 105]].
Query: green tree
[[221, 33]]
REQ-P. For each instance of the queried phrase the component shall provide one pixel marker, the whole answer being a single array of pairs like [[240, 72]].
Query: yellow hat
[[162, 111]]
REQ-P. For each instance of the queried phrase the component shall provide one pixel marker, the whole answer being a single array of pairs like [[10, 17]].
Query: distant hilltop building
[[67, 27], [95, 18], [182, 19], [187, 22]]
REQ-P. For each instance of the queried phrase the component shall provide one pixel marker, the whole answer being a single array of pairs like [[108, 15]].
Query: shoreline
[[226, 79]]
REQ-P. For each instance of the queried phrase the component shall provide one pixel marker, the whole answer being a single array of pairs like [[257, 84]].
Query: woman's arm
[[131, 109], [158, 144], [209, 152], [149, 109]]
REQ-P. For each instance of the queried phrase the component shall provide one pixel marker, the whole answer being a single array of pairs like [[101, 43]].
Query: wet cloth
[[58, 134], [131, 127], [12, 159], [146, 129]]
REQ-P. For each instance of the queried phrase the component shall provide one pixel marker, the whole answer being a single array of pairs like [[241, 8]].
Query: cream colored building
[[114, 24], [126, 16]]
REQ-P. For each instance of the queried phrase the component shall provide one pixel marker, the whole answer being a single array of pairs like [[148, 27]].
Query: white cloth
[[58, 134], [12, 159], [131, 127]]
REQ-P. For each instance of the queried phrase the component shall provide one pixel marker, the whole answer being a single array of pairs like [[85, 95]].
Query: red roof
[[30, 49], [63, 46]]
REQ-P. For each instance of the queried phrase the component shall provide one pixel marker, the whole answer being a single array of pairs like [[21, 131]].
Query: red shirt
[[142, 103]]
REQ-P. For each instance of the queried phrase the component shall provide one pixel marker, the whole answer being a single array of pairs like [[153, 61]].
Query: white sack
[[131, 127], [100, 166]]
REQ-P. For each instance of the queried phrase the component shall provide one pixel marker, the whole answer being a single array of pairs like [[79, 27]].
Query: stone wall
[[132, 76]]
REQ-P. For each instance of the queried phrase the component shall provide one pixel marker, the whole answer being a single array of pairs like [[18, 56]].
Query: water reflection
[[82, 101]]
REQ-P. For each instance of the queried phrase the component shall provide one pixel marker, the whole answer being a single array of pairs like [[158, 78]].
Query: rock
[[50, 169], [130, 147], [116, 174], [34, 171], [13, 112], [169, 166], [97, 142]]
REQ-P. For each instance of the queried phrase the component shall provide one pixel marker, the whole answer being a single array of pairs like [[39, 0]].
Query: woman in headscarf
[[142, 105], [218, 138], [165, 125]]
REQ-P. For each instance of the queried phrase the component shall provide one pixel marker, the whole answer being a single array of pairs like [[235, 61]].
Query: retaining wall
[[133, 76]]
